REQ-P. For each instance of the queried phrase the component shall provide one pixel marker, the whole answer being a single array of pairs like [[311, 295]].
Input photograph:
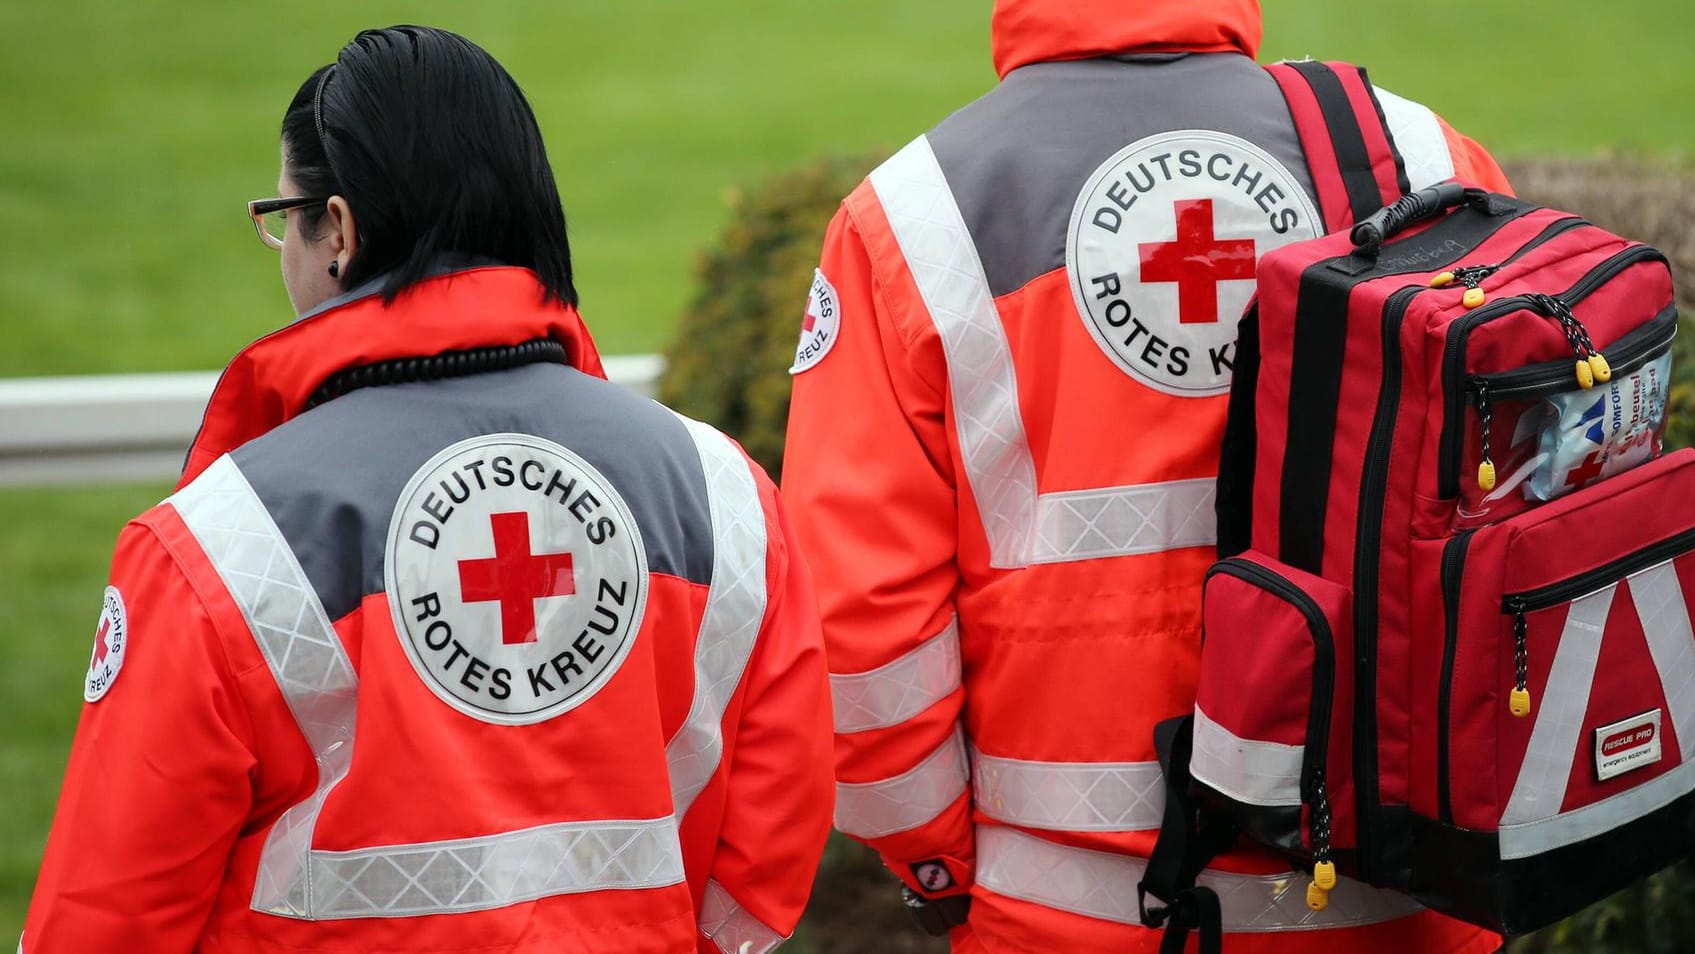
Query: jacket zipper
[[1453, 568], [1453, 355], [1373, 486], [1520, 605], [1313, 790], [1554, 377]]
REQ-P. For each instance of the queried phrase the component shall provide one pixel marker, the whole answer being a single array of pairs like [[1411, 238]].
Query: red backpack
[[1448, 649]]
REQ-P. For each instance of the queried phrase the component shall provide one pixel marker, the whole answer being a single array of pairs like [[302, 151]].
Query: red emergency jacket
[[1008, 401], [514, 661]]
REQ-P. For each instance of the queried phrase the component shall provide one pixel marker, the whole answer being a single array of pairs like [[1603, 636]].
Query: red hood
[[269, 381], [1032, 31]]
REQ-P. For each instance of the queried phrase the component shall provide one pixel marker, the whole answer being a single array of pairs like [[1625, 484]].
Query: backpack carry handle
[[1370, 234]]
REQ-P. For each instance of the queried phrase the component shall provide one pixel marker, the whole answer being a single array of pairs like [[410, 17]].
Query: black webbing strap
[[1315, 389], [1352, 156], [1234, 501], [1401, 181], [1189, 838]]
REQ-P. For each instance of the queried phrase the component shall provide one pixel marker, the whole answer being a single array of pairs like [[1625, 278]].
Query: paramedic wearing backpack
[[1008, 399], [476, 652]]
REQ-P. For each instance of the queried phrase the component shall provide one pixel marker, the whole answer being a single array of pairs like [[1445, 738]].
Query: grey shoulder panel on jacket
[[1017, 158], [331, 477]]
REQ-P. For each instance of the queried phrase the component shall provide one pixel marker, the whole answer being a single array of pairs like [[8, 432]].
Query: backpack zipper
[[1471, 276], [1520, 605], [1630, 353], [1591, 366], [1453, 570], [1369, 531], [1553, 377], [1453, 355]]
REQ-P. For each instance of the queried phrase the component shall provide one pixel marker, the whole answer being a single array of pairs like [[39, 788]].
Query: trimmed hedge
[[727, 365]]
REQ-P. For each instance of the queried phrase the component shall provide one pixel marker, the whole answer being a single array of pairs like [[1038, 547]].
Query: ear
[[340, 230]]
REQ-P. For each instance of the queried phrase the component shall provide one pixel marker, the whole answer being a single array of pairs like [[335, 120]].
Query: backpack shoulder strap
[[1350, 152]]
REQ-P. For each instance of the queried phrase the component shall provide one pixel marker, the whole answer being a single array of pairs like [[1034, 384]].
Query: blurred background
[[131, 135]]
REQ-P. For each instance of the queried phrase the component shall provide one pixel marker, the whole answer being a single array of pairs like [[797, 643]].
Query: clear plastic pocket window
[[1534, 435]]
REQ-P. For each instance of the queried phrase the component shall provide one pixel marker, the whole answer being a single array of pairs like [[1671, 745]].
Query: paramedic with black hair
[[1008, 401], [444, 643]]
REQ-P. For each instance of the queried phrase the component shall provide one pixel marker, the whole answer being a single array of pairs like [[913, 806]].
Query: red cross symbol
[[811, 314], [1197, 262], [515, 577], [1585, 472], [100, 647]]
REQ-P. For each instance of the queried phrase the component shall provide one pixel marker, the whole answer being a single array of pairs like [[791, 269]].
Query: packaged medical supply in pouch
[[1590, 435]]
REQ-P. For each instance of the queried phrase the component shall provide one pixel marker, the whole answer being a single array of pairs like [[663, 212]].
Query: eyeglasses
[[270, 216]]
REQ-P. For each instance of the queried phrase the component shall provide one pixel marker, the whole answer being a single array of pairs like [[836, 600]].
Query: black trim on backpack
[[1315, 385], [1234, 503], [1402, 183], [1519, 896], [1352, 156]]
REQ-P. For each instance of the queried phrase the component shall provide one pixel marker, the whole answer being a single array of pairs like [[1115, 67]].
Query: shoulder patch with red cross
[[1162, 246], [111, 640], [821, 325]]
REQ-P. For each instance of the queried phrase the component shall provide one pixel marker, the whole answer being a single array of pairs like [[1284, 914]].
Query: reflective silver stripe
[[1418, 138], [1101, 885], [300, 646], [943, 260], [1528, 839], [475, 874], [894, 693], [317, 681], [1069, 796], [1248, 770], [735, 607], [1541, 784], [1665, 621], [1124, 521], [875, 809], [1671, 642], [1022, 527], [726, 924]]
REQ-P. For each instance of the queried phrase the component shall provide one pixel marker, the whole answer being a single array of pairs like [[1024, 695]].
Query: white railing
[[101, 429]]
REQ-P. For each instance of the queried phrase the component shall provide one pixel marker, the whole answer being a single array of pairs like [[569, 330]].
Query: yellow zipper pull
[[1317, 898], [1473, 297], [1324, 875], [1485, 417], [1586, 374], [1602, 370], [1518, 701], [1442, 280]]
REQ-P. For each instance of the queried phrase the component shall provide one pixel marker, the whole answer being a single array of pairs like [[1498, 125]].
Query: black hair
[[436, 151]]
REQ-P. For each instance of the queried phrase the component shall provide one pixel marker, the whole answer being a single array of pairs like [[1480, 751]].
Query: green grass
[[131, 134], [52, 571]]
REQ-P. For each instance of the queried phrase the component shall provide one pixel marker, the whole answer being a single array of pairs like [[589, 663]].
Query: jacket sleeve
[[1473, 163], [777, 805], [1433, 151], [158, 783], [869, 477]]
